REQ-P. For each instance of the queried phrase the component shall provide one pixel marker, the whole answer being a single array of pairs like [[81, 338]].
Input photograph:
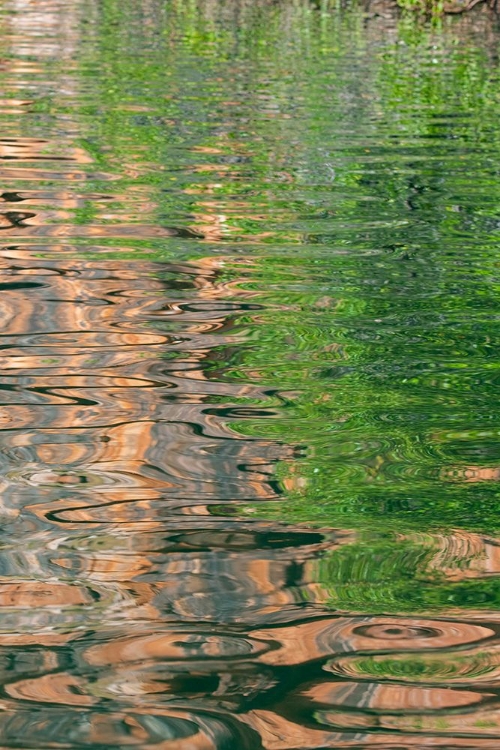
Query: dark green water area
[[249, 377]]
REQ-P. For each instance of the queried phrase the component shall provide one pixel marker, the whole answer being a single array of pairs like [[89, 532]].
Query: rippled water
[[249, 313]]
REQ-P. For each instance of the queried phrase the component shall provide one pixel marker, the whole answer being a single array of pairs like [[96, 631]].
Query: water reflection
[[208, 271]]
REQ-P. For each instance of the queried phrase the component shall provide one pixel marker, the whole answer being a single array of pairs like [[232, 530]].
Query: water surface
[[249, 371]]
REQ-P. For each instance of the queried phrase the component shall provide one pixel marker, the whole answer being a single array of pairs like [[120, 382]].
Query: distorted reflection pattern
[[198, 268]]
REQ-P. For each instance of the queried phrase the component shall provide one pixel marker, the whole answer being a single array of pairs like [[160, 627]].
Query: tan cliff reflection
[[108, 424], [101, 460], [109, 434], [141, 604]]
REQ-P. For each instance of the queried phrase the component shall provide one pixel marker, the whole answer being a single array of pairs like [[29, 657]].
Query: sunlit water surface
[[249, 304]]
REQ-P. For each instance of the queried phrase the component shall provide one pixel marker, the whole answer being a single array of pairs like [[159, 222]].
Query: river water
[[249, 305]]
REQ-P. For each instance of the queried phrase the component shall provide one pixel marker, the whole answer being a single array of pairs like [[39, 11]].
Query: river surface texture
[[249, 373]]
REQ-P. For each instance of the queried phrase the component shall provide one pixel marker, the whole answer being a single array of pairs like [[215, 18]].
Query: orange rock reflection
[[139, 606]]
